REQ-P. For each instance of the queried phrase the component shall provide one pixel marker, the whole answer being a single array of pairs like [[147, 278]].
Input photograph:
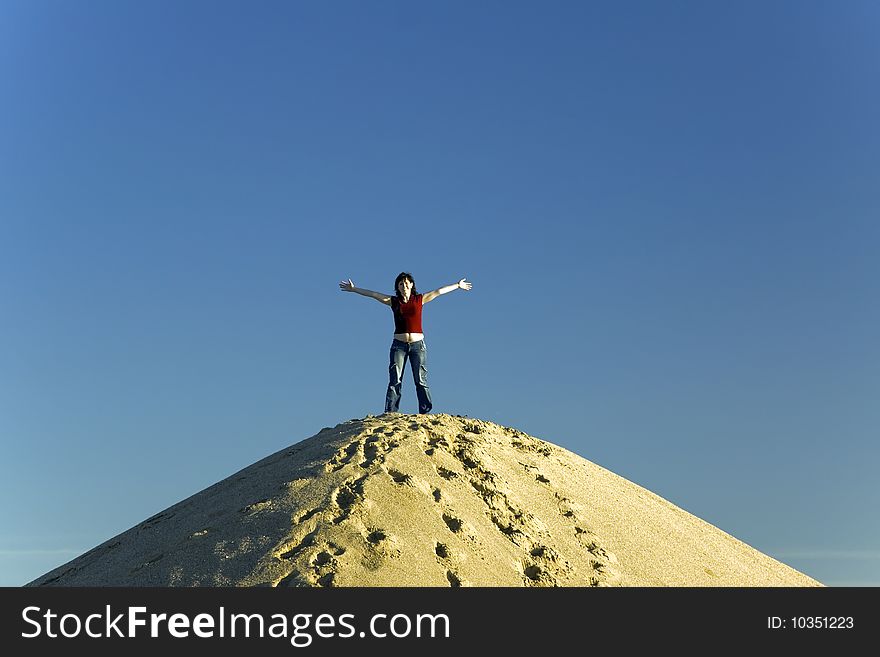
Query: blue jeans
[[417, 353]]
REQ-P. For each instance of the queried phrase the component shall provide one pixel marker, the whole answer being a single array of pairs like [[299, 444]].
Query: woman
[[409, 341]]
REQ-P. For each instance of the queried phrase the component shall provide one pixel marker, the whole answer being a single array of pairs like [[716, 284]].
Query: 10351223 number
[[821, 622]]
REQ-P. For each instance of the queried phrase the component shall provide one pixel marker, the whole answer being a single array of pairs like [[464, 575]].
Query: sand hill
[[433, 500]]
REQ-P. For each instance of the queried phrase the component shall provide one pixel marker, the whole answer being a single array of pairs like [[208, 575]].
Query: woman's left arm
[[463, 284]]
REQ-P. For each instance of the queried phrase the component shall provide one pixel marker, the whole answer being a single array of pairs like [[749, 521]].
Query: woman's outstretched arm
[[463, 284], [348, 286]]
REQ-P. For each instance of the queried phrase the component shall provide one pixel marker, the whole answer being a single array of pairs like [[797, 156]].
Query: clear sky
[[668, 210]]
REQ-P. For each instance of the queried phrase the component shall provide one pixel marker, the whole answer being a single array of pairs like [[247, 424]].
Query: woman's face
[[405, 287]]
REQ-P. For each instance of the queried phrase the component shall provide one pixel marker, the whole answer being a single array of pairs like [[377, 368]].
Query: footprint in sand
[[321, 566], [256, 507], [380, 546], [444, 558], [447, 474], [343, 457], [346, 498], [454, 524], [400, 477]]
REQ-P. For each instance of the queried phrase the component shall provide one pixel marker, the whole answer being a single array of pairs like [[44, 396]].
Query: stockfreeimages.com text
[[300, 629]]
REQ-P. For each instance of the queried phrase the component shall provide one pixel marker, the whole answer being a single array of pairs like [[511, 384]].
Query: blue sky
[[668, 212]]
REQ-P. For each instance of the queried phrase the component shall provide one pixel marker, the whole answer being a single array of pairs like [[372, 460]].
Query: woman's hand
[[464, 285], [347, 286]]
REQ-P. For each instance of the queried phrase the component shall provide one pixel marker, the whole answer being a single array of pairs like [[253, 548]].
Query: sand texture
[[433, 500]]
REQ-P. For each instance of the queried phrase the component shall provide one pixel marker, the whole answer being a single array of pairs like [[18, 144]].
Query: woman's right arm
[[348, 286]]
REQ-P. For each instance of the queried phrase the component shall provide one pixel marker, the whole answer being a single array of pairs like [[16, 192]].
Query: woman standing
[[409, 341]]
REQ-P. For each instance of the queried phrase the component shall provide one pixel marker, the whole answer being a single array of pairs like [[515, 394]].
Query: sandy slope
[[436, 500]]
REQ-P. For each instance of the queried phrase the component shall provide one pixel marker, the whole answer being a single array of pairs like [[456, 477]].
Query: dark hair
[[402, 276]]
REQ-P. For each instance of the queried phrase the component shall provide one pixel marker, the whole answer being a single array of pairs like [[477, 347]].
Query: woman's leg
[[397, 357], [418, 360]]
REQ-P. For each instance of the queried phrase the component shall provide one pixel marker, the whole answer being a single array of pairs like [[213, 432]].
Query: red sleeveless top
[[407, 316]]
